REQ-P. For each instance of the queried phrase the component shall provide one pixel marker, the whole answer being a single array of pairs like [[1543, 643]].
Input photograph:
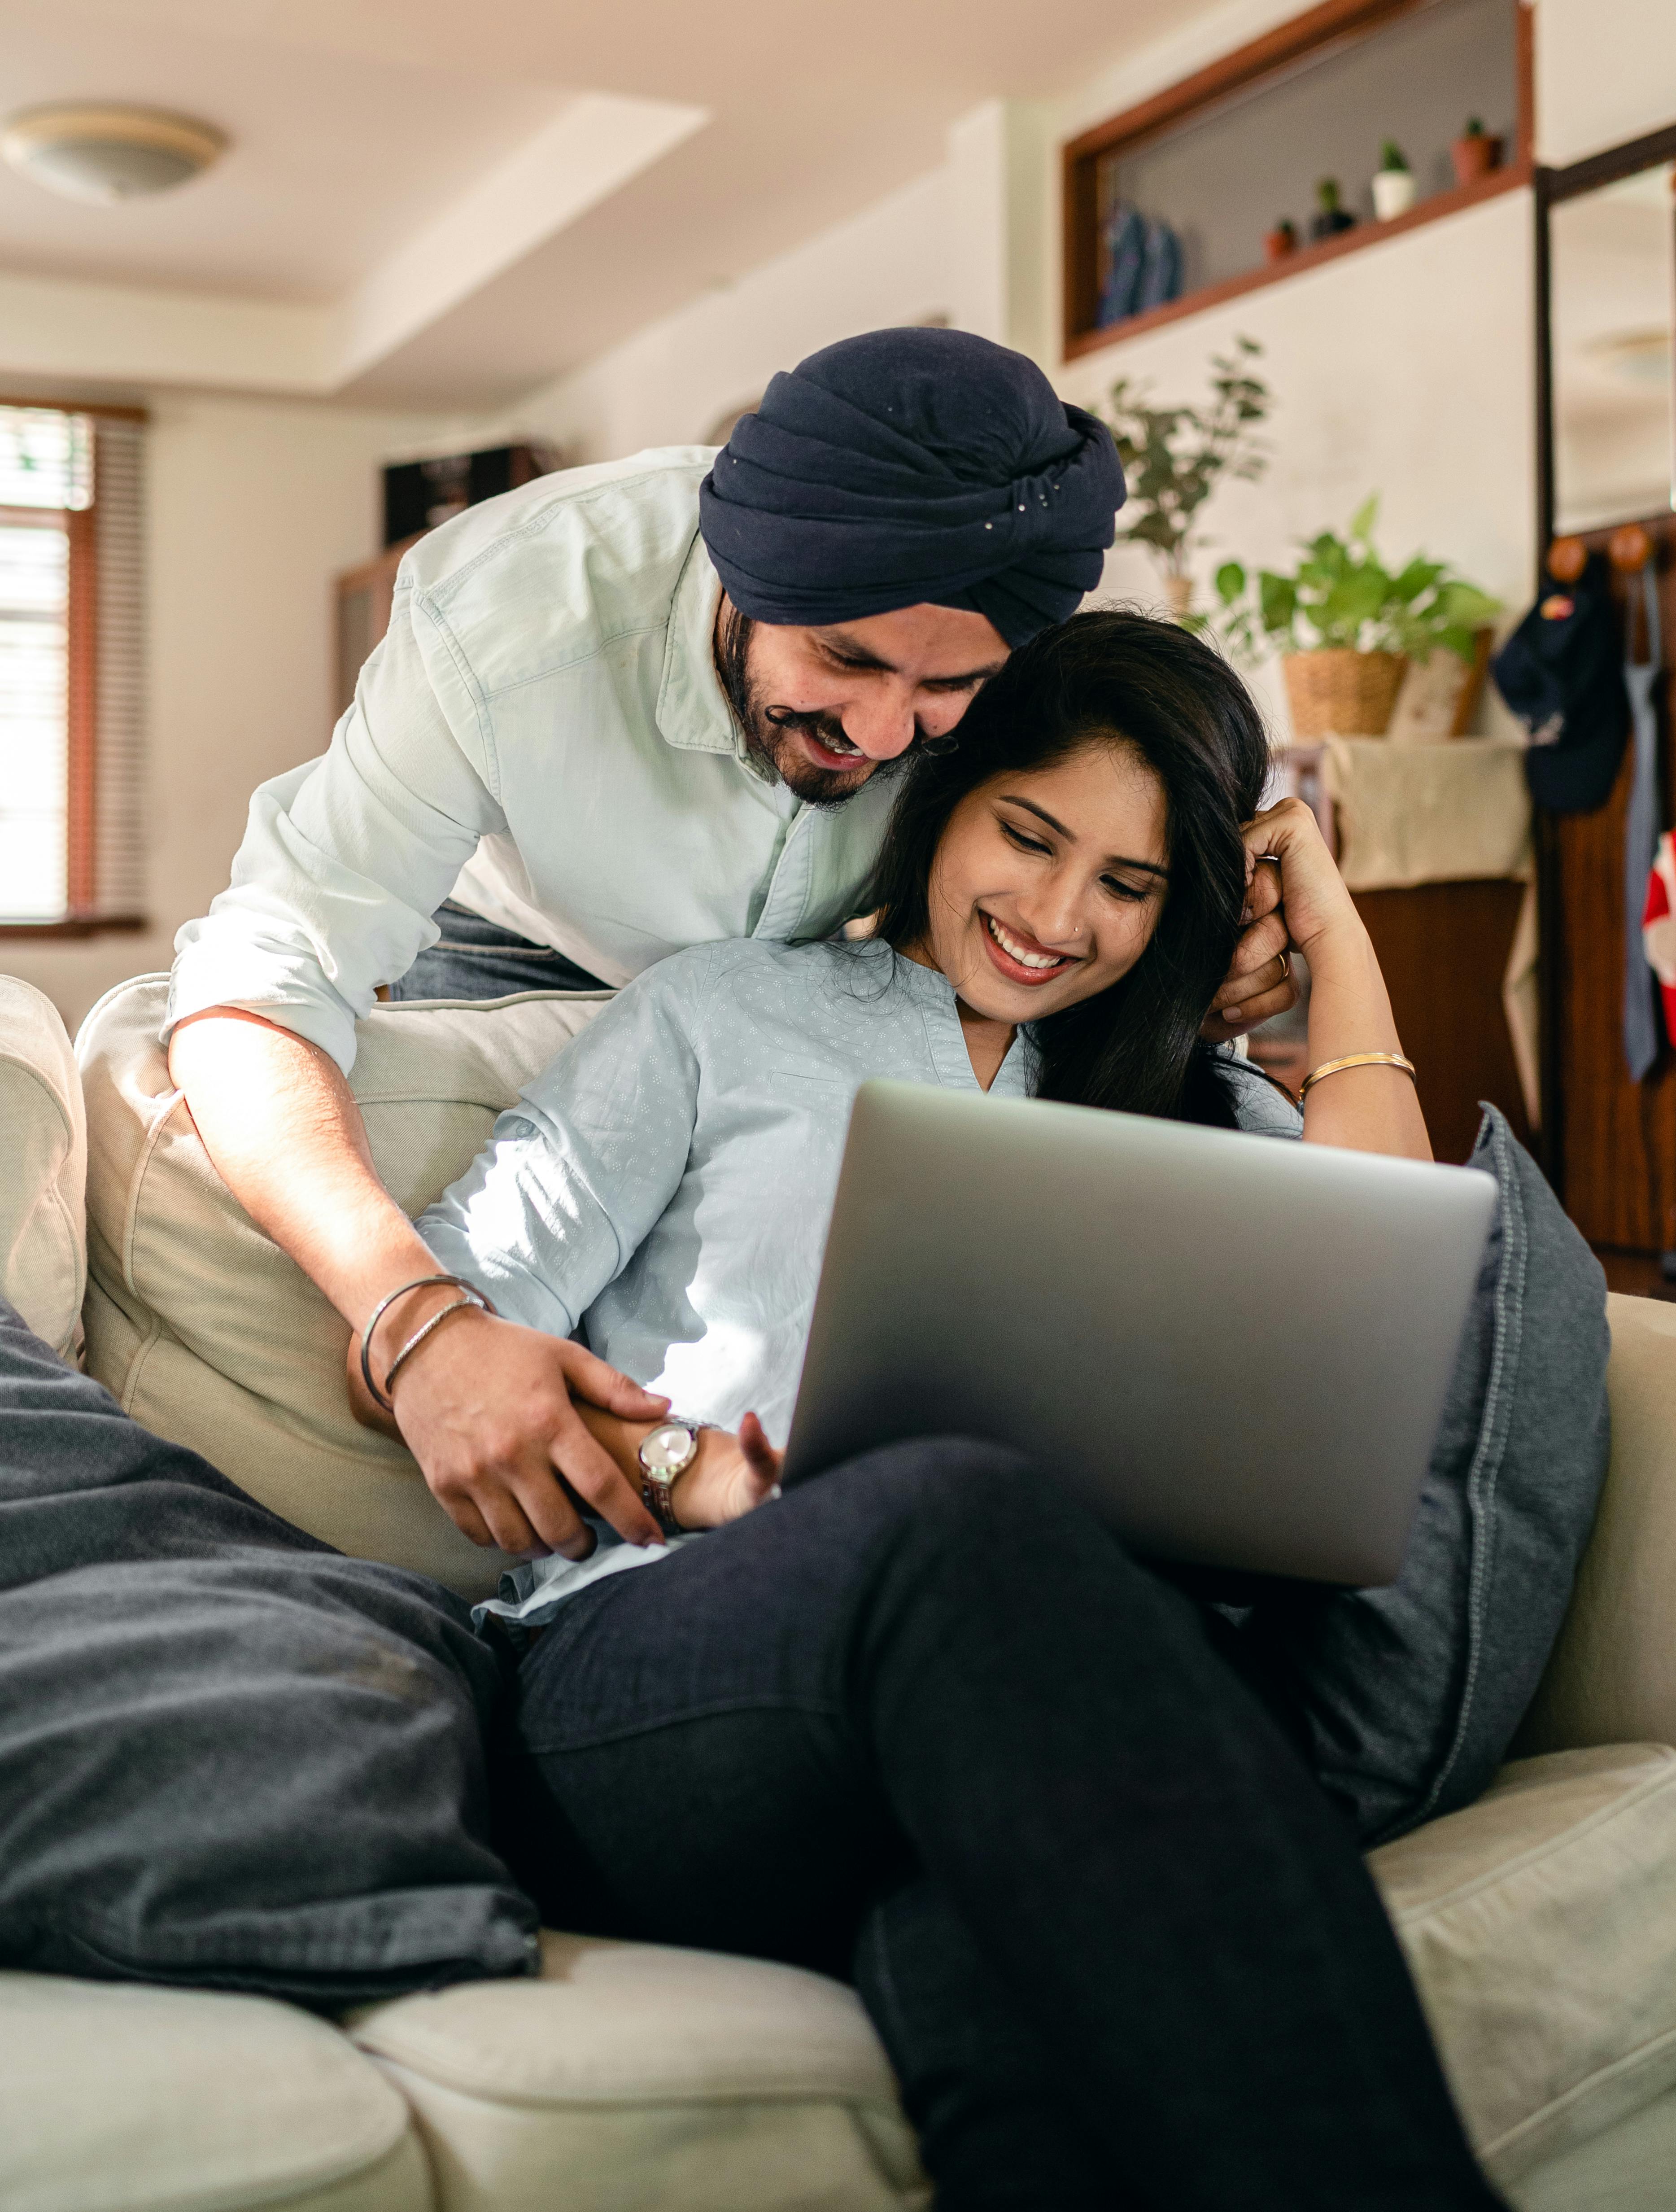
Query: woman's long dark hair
[[1125, 679]]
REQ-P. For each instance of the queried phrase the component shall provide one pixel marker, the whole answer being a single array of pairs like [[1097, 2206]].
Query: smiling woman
[[1075, 861]]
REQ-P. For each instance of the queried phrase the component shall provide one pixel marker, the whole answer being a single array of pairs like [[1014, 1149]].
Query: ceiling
[[442, 197]]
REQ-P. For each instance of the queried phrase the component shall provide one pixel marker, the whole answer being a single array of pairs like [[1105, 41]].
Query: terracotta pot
[[1279, 242], [1475, 156], [1340, 694]]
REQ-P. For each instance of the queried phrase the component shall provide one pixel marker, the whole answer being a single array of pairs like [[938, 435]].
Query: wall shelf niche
[[1222, 156]]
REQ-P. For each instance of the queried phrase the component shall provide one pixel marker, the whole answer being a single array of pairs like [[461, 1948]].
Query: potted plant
[[1332, 215], [1393, 183], [1174, 457], [1344, 625], [1281, 240], [1475, 153]]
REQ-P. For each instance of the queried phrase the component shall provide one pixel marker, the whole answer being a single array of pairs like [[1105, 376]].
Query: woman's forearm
[[1365, 1109]]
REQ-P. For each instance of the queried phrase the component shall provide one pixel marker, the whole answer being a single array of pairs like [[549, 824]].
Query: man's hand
[[490, 1411], [1259, 985]]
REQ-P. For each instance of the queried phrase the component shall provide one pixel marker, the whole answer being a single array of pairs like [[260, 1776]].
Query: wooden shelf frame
[[1334, 24]]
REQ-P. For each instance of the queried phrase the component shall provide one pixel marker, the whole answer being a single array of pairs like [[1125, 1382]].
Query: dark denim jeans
[[924, 1723], [477, 959]]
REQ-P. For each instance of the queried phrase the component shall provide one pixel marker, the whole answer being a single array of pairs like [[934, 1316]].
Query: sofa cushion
[[42, 1241], [1540, 1925], [159, 2100], [1411, 1694], [204, 1329], [645, 2075], [1613, 1678], [228, 1757]]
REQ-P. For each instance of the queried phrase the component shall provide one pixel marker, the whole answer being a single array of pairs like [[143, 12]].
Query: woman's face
[[1047, 885]]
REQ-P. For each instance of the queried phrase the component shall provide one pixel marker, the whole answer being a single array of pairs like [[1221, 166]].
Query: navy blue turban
[[908, 466]]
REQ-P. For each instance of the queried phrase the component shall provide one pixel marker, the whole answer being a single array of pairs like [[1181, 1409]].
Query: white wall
[[1606, 71], [670, 383], [1405, 369], [252, 509]]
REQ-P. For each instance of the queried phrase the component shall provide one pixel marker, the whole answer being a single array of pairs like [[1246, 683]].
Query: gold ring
[[1286, 967]]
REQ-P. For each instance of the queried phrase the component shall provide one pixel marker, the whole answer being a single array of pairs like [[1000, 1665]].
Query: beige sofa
[[1540, 1924]]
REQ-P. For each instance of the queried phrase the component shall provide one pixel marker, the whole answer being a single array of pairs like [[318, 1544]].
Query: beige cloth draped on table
[[1453, 812]]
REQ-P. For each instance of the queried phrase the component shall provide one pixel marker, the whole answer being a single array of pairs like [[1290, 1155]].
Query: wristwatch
[[665, 1452]]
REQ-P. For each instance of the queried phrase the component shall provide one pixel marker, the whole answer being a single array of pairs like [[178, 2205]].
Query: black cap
[[1562, 672]]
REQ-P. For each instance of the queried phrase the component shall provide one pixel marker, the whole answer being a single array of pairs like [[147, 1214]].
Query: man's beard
[[770, 731]]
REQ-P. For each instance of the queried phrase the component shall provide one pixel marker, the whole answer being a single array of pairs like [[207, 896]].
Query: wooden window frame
[[1333, 24], [81, 917]]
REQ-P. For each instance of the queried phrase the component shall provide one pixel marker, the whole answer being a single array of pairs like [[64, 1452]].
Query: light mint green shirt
[[542, 735], [664, 1185]]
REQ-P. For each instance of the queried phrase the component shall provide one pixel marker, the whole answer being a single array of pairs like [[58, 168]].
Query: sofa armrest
[[1613, 1676], [44, 1172]]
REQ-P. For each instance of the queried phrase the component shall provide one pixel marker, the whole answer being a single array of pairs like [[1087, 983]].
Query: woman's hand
[[731, 1477], [1369, 1108], [1295, 901], [1312, 894]]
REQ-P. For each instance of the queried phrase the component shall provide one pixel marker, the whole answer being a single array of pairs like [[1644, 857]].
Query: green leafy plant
[[1341, 594], [1392, 157], [1174, 457]]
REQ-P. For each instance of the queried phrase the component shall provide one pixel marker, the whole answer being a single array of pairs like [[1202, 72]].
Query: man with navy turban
[[625, 709]]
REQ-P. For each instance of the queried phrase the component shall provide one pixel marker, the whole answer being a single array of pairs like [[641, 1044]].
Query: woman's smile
[[1019, 958]]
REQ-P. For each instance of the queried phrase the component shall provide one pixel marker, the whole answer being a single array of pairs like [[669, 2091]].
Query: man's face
[[825, 708]]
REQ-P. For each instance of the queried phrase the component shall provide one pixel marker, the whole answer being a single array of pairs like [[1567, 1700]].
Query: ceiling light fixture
[[88, 151]]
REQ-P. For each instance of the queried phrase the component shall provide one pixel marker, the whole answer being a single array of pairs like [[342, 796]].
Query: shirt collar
[[692, 710], [935, 995]]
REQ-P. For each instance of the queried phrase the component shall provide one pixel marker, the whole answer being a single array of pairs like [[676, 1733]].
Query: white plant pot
[[1394, 192]]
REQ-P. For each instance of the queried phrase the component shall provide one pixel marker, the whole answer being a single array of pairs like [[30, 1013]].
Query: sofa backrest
[[43, 1167], [206, 1333], [1612, 1677]]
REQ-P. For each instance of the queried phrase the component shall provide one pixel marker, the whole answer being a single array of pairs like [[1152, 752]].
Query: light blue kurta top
[[663, 1187]]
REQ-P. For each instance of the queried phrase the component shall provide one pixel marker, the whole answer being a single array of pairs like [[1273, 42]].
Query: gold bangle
[[1356, 1059]]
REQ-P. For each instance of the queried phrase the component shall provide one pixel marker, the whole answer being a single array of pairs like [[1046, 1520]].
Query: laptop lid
[[1234, 1348]]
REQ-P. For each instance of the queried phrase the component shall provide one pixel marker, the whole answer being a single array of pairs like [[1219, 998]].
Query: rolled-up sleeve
[[576, 1177], [345, 859]]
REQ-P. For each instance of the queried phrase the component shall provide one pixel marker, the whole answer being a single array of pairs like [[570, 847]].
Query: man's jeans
[[477, 959], [923, 1722]]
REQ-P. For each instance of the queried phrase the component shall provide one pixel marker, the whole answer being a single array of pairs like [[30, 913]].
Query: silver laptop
[[1234, 1349]]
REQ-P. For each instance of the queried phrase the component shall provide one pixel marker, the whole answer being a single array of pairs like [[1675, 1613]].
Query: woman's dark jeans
[[477, 959], [923, 1724]]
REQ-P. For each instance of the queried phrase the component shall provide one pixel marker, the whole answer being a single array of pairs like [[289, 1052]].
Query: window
[[70, 669]]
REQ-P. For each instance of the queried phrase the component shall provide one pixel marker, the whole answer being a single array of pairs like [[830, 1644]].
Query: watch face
[[668, 1449]]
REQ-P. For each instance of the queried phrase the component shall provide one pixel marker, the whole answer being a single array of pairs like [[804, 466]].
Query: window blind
[[119, 872]]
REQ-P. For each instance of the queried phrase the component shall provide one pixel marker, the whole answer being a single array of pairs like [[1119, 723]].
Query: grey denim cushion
[[1410, 1695], [229, 1757]]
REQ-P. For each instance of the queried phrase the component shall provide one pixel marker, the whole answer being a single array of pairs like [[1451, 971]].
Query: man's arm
[[486, 1411]]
